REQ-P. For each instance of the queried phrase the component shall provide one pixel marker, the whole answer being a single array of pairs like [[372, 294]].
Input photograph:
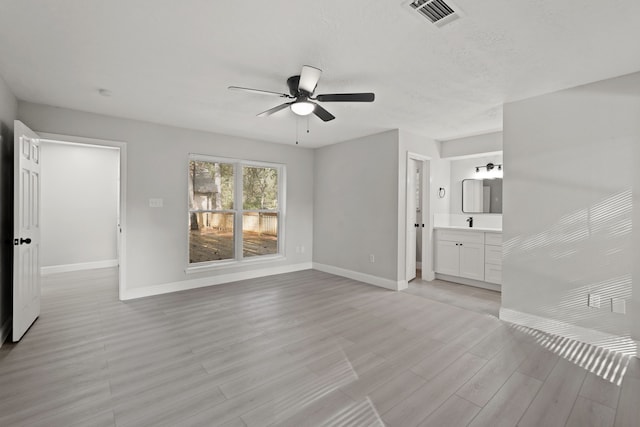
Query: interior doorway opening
[[418, 230], [82, 206]]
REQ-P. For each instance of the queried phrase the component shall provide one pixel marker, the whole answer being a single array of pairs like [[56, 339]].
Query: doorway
[[82, 205], [418, 230]]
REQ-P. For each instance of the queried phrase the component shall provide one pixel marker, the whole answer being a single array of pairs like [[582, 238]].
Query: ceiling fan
[[301, 89]]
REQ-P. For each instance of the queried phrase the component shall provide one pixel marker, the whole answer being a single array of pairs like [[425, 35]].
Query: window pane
[[259, 233], [260, 188], [210, 236], [210, 185]]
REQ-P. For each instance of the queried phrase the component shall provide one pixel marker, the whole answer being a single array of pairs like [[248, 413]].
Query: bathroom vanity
[[471, 256]]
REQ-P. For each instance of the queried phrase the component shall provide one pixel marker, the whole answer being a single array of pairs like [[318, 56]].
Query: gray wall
[[635, 300], [355, 205], [157, 165], [79, 204], [472, 145], [568, 186], [8, 113]]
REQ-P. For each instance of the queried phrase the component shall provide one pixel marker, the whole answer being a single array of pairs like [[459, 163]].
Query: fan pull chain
[[297, 130], [307, 124]]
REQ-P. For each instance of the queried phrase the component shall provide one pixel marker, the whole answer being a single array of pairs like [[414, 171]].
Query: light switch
[[156, 203]]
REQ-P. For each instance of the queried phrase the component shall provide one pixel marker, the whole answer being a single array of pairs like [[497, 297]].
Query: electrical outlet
[[372, 258], [301, 249], [618, 305], [594, 301]]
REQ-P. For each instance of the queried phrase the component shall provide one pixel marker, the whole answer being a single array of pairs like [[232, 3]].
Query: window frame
[[238, 212]]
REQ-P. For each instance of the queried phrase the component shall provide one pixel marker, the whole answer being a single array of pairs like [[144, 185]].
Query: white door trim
[[122, 202]]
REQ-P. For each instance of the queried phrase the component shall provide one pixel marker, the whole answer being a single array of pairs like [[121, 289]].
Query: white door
[[26, 229], [412, 222], [472, 261]]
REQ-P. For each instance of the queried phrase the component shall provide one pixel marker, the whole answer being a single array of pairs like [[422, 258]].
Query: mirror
[[482, 195]]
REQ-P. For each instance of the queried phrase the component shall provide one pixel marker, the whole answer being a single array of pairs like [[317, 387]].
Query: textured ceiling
[[171, 61]]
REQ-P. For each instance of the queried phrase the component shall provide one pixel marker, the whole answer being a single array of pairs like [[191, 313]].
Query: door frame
[[425, 215], [122, 196]]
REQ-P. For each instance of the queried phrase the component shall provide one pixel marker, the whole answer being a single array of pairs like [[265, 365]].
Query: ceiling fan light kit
[[301, 90], [302, 108]]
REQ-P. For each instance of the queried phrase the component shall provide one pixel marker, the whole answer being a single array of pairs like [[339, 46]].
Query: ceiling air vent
[[436, 11]]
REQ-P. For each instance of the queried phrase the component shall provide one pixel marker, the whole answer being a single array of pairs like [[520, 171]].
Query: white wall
[[466, 169], [79, 204], [157, 165], [8, 113], [570, 159], [472, 145], [355, 209], [635, 299]]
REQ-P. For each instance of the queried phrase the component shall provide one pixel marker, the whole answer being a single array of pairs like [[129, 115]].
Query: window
[[235, 210]]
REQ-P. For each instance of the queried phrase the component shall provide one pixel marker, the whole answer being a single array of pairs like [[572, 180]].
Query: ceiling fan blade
[[324, 115], [346, 97], [309, 78], [262, 92], [270, 111]]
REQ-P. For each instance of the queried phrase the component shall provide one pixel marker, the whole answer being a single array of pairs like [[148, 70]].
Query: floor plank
[[556, 397], [587, 413], [509, 403]]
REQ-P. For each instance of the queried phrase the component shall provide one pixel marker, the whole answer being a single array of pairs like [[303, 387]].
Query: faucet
[[470, 221]]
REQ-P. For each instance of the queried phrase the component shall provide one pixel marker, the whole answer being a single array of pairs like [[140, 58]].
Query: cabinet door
[[472, 261], [447, 258]]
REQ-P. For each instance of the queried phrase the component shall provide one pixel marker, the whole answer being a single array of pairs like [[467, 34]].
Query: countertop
[[466, 228]]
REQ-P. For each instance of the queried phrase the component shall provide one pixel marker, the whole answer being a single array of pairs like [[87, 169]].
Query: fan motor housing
[[293, 83]]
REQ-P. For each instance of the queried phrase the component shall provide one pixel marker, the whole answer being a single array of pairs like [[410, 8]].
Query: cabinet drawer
[[493, 254], [460, 236], [493, 273], [493, 239]]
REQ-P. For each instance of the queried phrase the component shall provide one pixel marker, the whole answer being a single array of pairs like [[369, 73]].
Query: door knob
[[27, 240]]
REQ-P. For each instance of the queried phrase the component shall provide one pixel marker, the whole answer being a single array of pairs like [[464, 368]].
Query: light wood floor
[[467, 297], [299, 349]]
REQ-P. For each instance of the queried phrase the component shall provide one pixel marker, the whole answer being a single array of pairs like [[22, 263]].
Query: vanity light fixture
[[489, 167]]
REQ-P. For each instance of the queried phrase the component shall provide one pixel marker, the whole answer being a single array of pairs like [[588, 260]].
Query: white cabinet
[[460, 253], [493, 258], [472, 261], [447, 258], [469, 254]]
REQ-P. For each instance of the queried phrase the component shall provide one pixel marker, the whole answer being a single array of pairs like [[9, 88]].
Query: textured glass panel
[[210, 236], [259, 233]]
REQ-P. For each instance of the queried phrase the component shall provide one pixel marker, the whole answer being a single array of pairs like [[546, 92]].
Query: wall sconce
[[488, 167]]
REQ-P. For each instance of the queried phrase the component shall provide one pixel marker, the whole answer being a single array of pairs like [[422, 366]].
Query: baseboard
[[605, 340], [184, 285], [64, 268], [5, 329], [428, 276], [469, 282], [362, 277]]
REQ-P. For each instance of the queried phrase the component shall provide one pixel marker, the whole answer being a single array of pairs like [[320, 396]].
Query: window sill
[[233, 264]]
